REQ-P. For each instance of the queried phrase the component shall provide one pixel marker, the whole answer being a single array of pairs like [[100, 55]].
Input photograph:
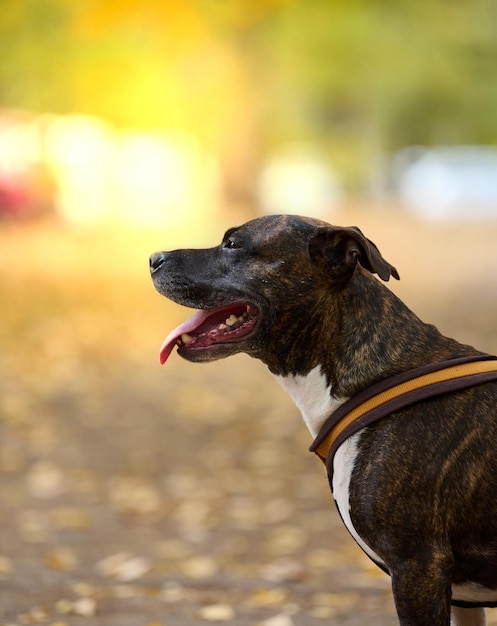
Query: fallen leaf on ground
[[216, 613]]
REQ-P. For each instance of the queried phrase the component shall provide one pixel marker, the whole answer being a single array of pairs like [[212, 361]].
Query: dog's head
[[257, 287]]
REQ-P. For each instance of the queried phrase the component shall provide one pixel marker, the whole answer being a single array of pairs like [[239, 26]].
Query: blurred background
[[140, 495]]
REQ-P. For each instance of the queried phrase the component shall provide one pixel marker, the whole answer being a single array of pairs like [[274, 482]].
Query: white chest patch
[[312, 395], [343, 465]]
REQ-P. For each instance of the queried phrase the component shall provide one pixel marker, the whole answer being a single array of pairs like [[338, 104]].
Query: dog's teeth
[[232, 319], [222, 327], [186, 338]]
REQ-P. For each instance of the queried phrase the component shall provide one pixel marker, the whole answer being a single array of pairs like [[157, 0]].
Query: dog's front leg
[[422, 592], [467, 617]]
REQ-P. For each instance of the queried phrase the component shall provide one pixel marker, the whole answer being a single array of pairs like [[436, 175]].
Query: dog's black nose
[[156, 261]]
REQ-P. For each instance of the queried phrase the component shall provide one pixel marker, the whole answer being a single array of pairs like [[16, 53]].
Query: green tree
[[359, 77]]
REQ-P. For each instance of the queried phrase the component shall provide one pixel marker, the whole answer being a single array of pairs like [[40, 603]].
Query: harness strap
[[397, 392]]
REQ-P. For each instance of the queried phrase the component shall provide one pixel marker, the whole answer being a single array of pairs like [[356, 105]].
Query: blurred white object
[[298, 182], [451, 182], [135, 176]]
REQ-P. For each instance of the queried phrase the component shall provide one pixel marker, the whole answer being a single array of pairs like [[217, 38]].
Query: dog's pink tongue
[[186, 327]]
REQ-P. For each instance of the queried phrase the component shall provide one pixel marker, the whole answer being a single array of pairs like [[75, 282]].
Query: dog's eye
[[231, 244]]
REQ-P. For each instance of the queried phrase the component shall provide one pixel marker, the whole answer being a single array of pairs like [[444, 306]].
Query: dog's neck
[[313, 397], [381, 339]]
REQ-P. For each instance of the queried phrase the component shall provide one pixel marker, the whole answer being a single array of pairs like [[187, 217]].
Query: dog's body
[[417, 490]]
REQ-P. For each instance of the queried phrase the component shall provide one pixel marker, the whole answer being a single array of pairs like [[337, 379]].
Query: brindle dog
[[417, 490]]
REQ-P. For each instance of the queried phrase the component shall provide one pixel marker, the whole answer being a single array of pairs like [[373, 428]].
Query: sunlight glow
[[100, 174]]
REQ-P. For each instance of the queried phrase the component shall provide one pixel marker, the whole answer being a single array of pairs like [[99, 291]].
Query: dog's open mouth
[[211, 327]]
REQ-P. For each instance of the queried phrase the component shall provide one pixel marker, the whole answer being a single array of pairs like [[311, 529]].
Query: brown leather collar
[[397, 392]]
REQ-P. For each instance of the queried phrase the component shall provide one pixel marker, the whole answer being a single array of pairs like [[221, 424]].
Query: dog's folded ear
[[342, 248]]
